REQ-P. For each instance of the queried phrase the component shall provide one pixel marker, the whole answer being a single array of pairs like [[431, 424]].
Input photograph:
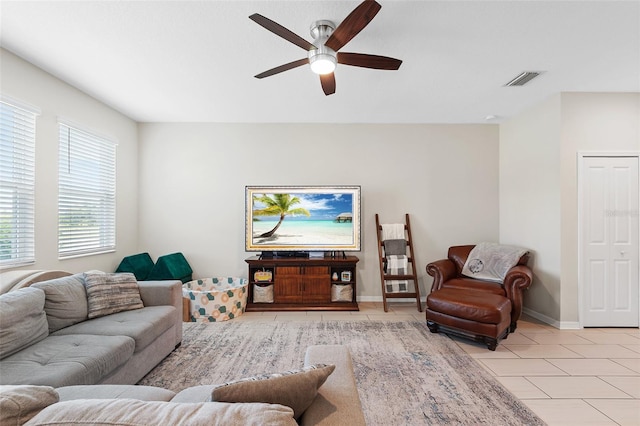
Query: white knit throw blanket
[[491, 261], [392, 231]]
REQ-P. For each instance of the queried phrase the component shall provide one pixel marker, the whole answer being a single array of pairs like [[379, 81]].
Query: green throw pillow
[[139, 265]]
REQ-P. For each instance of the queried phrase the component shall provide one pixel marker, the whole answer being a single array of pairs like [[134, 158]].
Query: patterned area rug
[[405, 374]]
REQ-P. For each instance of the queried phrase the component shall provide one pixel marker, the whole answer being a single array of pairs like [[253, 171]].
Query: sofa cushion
[[295, 388], [142, 393], [130, 412], [142, 325], [111, 293], [20, 403], [200, 393], [338, 401], [65, 301], [67, 360], [23, 320], [472, 284]]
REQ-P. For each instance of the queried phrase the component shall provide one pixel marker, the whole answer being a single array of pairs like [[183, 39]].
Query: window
[[86, 193], [17, 183]]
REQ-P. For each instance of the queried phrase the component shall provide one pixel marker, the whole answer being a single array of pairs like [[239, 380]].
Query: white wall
[[31, 85], [192, 180], [530, 198], [538, 154], [600, 122]]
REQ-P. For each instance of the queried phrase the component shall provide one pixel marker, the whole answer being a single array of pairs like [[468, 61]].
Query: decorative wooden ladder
[[411, 261]]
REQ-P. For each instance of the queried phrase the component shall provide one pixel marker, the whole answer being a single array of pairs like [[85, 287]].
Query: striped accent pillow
[[111, 293]]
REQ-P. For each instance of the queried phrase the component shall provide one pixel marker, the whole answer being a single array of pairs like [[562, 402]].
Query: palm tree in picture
[[278, 205]]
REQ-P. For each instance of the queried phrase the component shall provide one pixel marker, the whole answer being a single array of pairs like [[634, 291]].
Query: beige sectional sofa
[[72, 349], [55, 333], [312, 398]]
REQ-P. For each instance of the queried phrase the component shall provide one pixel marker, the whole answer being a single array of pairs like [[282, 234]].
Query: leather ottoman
[[481, 316]]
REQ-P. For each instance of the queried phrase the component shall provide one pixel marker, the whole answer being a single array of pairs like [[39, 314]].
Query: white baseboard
[[562, 325], [570, 325]]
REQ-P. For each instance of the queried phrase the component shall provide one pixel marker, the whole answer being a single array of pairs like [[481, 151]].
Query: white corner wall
[[29, 84], [192, 180], [530, 199], [538, 187], [595, 122]]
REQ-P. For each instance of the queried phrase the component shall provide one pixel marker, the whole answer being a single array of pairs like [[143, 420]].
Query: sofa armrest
[[518, 278], [337, 401], [14, 280], [159, 293], [441, 270]]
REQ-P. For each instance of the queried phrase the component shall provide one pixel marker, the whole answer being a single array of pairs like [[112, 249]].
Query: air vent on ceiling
[[523, 78]]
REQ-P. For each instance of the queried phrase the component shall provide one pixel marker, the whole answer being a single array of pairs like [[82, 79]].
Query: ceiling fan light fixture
[[322, 59], [323, 63]]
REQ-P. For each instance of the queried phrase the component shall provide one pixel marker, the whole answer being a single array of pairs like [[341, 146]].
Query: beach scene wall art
[[302, 218]]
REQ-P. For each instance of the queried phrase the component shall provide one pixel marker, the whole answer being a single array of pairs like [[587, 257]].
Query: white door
[[610, 256]]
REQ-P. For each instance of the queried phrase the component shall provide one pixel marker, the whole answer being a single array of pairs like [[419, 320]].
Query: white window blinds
[[86, 193], [17, 183]]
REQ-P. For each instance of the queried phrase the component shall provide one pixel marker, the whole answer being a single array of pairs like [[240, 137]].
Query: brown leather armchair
[[447, 273]]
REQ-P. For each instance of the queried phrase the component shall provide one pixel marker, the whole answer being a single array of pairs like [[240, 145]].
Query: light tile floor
[[567, 377]]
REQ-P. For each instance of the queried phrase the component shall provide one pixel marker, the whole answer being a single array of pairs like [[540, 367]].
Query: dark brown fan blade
[[281, 31], [328, 83], [282, 68], [353, 24], [369, 61]]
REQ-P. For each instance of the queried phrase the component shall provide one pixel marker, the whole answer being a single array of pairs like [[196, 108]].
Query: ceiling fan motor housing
[[322, 30], [322, 59]]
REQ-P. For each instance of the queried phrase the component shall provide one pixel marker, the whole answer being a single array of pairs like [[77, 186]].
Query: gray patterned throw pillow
[[111, 293]]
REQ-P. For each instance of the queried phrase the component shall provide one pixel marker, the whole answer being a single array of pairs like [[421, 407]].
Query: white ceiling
[[190, 61]]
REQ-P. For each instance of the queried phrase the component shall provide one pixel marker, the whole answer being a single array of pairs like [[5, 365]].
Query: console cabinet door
[[316, 287], [287, 285]]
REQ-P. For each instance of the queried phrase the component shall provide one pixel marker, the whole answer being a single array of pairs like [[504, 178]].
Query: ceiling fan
[[323, 53]]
